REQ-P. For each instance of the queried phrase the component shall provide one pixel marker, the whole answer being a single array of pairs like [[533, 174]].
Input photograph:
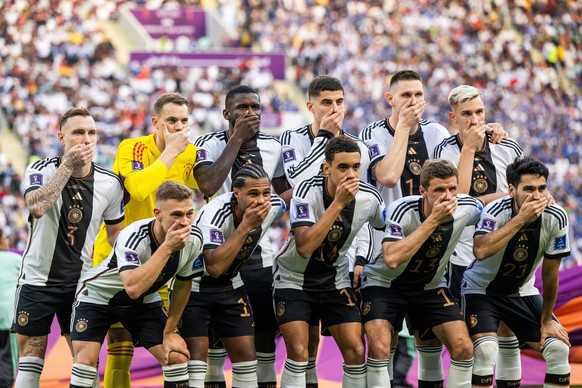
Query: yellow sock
[[119, 356]]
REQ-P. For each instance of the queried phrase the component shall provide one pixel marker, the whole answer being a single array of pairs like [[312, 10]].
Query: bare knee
[[177, 358], [462, 349]]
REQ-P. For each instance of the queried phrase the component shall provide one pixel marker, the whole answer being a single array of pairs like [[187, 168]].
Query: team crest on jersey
[[374, 151], [488, 224], [289, 156], [480, 185], [432, 252], [22, 318], [396, 230], [136, 166], [280, 309], [81, 325], [302, 210], [520, 254], [472, 321], [560, 243], [216, 236], [415, 167], [335, 233], [35, 179], [131, 257], [200, 155], [75, 214], [366, 308]]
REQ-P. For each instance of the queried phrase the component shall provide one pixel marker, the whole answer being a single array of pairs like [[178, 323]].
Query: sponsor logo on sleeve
[[131, 257], [136, 166], [488, 224], [302, 210], [396, 230], [216, 236], [560, 243], [374, 151], [36, 179], [199, 262], [289, 156], [200, 155]]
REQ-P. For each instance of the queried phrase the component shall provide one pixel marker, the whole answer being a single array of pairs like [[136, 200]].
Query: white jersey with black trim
[[134, 246], [379, 137], [511, 271], [489, 167], [266, 153], [304, 154], [217, 222], [425, 269], [327, 267], [60, 243]]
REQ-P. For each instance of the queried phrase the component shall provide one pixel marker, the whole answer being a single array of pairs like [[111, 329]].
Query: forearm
[[310, 238], [43, 198], [550, 270], [398, 252], [211, 177], [112, 232], [219, 259], [486, 245], [178, 302], [465, 170], [142, 184], [139, 280], [389, 170]]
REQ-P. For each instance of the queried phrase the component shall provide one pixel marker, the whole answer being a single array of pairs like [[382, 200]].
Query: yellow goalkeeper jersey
[[141, 172]]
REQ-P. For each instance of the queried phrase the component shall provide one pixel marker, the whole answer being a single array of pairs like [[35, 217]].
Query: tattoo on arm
[[40, 200]]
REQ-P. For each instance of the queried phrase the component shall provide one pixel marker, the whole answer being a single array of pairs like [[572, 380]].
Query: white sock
[[196, 373], [29, 370], [311, 371], [83, 375], [244, 374], [176, 373], [460, 374], [216, 360], [430, 366], [377, 373], [293, 374], [266, 372], [354, 376], [508, 368], [391, 364], [485, 352], [555, 352]]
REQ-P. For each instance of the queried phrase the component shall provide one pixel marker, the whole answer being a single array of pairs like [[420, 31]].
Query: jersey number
[[347, 294], [410, 184], [448, 302], [244, 306], [429, 268], [71, 236], [511, 269]]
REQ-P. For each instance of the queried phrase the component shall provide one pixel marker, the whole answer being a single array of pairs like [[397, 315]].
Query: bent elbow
[[304, 253], [207, 188], [387, 181], [133, 292], [390, 263], [36, 212], [479, 254]]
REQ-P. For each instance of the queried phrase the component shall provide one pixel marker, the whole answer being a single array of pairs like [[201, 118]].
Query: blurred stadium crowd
[[525, 55]]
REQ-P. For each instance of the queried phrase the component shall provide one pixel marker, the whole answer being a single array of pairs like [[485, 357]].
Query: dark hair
[[339, 144], [525, 166], [436, 168], [248, 171], [173, 190], [404, 75], [166, 98], [322, 83], [241, 89], [72, 113]]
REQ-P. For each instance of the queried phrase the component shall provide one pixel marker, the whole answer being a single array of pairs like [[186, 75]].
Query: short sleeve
[[37, 174]]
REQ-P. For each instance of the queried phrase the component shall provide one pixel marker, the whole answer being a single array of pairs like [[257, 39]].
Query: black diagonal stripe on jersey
[[367, 132], [321, 272], [424, 264], [510, 143], [450, 141], [137, 236], [484, 175], [249, 246], [75, 217], [500, 206], [40, 164], [468, 202], [369, 252], [244, 156], [306, 163], [416, 155], [367, 188], [196, 232], [304, 187], [518, 261], [221, 215], [107, 172], [205, 138], [403, 208], [559, 214]]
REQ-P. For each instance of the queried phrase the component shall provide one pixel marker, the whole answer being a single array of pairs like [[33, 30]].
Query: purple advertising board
[[273, 62], [172, 23]]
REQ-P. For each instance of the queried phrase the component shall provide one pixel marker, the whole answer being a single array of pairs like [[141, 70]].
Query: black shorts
[[259, 286], [229, 313], [333, 307], [145, 322], [426, 309], [454, 280], [521, 314], [36, 307]]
